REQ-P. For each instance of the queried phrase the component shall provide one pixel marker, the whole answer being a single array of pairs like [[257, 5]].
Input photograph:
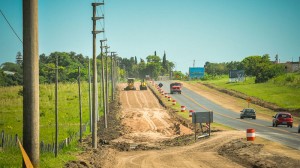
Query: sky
[[188, 31]]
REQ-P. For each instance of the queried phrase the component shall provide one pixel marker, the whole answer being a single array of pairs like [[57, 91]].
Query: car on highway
[[248, 113], [282, 118]]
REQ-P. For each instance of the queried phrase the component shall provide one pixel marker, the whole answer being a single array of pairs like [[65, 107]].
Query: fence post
[[2, 139], [16, 140]]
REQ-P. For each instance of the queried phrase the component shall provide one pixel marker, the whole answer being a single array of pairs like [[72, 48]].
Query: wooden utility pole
[[95, 87], [31, 114], [103, 82], [80, 107], [56, 107]]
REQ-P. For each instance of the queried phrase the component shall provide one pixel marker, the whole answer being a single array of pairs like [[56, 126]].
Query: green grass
[[277, 91], [11, 120]]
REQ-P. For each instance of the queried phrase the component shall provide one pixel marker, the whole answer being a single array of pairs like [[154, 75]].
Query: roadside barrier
[[182, 108], [250, 134], [191, 113], [169, 98], [173, 102]]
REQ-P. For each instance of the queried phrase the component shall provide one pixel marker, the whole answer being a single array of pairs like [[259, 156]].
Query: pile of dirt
[[249, 154]]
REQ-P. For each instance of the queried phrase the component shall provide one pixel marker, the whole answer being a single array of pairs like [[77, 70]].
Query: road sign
[[249, 99], [202, 117]]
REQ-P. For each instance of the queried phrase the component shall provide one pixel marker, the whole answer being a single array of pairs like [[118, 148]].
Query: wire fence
[[11, 141]]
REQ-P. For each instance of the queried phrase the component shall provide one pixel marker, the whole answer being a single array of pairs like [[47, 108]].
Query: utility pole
[[95, 87], [56, 107], [31, 114], [90, 103], [80, 107], [111, 75], [106, 83], [103, 82]]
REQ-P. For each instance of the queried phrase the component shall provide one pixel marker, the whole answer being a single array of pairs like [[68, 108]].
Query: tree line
[[260, 67], [68, 62]]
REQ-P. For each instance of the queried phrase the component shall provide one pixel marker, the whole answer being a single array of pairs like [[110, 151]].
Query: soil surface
[[141, 133]]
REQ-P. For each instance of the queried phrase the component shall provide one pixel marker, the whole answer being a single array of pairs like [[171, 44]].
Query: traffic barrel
[[166, 95], [174, 102], [191, 113], [250, 134], [169, 98], [162, 92], [182, 108]]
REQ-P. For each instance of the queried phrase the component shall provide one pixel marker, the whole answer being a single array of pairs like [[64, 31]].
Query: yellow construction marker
[[25, 156]]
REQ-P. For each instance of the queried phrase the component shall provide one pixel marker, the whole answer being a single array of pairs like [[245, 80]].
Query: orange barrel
[[191, 113], [169, 98], [250, 134], [182, 108], [174, 102]]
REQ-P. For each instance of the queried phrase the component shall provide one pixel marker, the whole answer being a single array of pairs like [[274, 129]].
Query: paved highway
[[263, 128]]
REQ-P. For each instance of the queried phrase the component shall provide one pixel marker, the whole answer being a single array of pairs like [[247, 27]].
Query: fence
[[10, 141]]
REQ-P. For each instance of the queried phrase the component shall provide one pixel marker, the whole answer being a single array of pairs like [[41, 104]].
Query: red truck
[[175, 87]]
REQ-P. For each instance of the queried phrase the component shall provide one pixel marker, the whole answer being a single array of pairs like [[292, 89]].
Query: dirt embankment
[[141, 133]]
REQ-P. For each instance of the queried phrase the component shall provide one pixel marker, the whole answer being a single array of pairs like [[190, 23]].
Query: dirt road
[[148, 123], [145, 120]]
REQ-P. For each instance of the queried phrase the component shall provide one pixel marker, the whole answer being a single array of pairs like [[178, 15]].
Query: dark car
[[299, 128], [248, 113], [282, 118]]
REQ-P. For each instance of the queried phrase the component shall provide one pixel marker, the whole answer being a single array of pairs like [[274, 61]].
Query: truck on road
[[175, 87]]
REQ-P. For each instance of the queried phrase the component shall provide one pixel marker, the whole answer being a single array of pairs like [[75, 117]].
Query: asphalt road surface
[[282, 134]]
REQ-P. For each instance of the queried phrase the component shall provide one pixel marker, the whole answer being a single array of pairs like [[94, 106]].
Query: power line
[[11, 26]]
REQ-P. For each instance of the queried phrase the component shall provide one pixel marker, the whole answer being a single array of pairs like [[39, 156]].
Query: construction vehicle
[[143, 85], [175, 88], [130, 84]]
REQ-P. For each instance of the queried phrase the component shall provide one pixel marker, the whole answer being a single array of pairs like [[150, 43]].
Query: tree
[[135, 60], [262, 68], [165, 65], [19, 58]]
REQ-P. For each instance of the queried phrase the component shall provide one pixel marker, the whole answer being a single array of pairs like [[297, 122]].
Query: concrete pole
[[80, 107], [106, 83], [103, 83], [95, 88], [90, 102], [56, 107], [111, 75], [31, 115]]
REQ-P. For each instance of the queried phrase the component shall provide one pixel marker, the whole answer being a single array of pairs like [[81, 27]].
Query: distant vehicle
[[143, 85], [282, 118], [130, 84], [299, 128], [175, 87], [248, 113]]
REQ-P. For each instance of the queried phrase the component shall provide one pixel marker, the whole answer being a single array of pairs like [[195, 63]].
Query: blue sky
[[200, 30]]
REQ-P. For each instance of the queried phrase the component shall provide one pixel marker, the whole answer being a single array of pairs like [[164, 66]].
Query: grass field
[[283, 91], [11, 119]]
